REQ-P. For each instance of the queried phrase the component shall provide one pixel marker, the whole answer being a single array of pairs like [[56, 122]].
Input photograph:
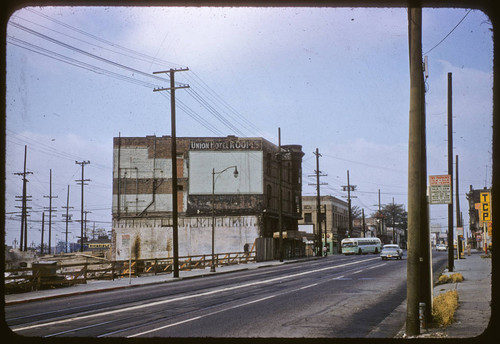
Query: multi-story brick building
[[334, 221], [246, 207]]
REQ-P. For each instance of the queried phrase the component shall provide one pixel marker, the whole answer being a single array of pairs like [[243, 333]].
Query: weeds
[[444, 307], [453, 278]]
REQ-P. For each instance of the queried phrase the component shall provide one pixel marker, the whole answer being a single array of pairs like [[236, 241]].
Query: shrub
[[444, 307], [454, 278], [457, 277]]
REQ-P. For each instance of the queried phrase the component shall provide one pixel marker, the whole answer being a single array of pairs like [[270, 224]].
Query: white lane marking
[[157, 303], [199, 317], [357, 272], [375, 266], [308, 286]]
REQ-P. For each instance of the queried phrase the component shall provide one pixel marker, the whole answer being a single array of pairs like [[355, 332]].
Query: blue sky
[[333, 79]]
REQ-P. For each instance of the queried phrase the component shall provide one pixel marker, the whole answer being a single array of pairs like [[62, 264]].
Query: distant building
[[246, 207], [335, 219], [476, 225]]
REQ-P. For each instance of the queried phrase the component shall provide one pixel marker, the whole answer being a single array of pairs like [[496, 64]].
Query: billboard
[[250, 172]]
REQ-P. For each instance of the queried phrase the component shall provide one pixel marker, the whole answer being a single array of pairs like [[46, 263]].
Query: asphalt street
[[337, 296]]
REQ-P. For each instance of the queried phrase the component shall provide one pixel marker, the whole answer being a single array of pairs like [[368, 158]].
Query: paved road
[[338, 296]]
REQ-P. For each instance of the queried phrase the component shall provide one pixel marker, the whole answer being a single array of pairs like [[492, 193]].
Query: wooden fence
[[60, 274]]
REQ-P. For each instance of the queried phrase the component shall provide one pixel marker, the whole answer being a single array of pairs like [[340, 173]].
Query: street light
[[235, 174]]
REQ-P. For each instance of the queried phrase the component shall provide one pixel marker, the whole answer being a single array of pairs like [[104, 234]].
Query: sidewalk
[[96, 285], [474, 298]]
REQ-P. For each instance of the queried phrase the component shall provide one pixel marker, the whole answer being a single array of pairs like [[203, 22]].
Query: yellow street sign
[[485, 206]]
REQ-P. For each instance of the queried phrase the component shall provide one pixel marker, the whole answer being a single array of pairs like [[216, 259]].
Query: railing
[[63, 274]]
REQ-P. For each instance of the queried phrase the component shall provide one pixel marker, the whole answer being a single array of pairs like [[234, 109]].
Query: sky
[[336, 79]]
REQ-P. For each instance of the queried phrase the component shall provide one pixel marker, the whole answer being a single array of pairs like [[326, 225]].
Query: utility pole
[[364, 224], [457, 201], [43, 225], [349, 188], [450, 172], [416, 189], [82, 183], [280, 194], [67, 216], [173, 151], [319, 234], [393, 222], [23, 246], [380, 223], [50, 208]]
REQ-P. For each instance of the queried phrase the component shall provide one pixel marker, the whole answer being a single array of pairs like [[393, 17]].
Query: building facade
[[481, 232], [245, 207], [335, 218]]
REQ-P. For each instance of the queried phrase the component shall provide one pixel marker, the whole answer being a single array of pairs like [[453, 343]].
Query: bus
[[361, 245]]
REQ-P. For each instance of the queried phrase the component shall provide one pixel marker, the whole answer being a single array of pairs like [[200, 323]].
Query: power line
[[441, 41]]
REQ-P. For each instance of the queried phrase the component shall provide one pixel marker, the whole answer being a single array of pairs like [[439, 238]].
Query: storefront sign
[[225, 144]]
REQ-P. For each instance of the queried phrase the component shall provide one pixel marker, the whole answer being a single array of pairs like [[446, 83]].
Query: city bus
[[361, 245]]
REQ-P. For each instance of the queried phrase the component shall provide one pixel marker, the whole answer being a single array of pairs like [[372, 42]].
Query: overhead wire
[[449, 33]]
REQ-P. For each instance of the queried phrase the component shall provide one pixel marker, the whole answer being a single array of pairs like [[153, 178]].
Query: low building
[[245, 208], [335, 218]]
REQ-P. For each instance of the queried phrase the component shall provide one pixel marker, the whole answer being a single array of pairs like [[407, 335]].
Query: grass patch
[[444, 307], [453, 278]]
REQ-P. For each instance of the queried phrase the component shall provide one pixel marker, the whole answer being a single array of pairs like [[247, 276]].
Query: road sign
[[440, 189]]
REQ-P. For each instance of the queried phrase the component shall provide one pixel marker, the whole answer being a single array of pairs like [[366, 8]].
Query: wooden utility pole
[[364, 224], [43, 225], [50, 209], [23, 244], [173, 152], [415, 186], [458, 213], [349, 188], [450, 172], [82, 183], [280, 205], [67, 216], [319, 234]]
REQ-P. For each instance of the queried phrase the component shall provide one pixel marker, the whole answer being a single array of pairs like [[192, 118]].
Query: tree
[[394, 215], [355, 212]]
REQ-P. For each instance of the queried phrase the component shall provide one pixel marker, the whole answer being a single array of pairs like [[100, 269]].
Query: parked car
[[391, 251], [440, 247]]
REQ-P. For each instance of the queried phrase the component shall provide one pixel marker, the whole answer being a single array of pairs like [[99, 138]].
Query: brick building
[[335, 219], [246, 207]]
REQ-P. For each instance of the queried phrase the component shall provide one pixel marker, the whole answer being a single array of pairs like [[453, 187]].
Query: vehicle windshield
[[394, 247]]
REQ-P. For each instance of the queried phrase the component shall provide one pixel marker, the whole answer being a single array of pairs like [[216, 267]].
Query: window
[[308, 217]]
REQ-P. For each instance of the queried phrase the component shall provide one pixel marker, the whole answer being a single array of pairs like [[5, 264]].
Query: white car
[[441, 247], [391, 251]]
